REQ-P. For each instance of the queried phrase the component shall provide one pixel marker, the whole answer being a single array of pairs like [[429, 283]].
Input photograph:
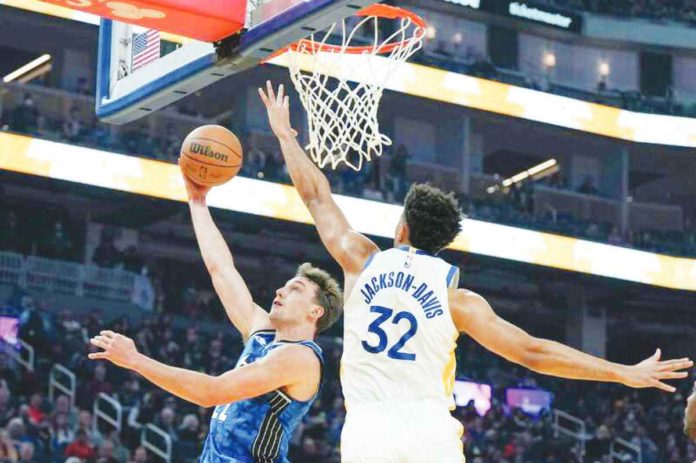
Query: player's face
[[295, 302]]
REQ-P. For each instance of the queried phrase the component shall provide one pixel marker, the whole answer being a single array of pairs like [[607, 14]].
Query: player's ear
[[402, 232], [317, 311]]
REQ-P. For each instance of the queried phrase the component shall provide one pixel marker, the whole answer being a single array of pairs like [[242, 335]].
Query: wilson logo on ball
[[205, 150]]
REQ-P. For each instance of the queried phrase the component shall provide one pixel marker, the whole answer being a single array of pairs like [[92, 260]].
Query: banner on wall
[[527, 11]]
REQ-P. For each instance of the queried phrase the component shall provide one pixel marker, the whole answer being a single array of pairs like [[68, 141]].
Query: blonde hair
[[329, 295]]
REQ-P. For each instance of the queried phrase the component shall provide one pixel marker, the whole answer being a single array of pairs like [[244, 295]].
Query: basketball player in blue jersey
[[278, 376], [403, 314]]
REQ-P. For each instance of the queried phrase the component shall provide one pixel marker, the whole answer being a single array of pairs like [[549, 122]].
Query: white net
[[341, 86]]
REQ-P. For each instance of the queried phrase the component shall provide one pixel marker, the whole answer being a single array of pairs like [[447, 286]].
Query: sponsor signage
[[528, 11]]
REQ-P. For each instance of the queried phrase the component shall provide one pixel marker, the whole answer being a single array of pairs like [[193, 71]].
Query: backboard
[[141, 71]]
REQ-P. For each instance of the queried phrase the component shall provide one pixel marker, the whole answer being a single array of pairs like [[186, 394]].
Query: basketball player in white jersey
[[403, 314]]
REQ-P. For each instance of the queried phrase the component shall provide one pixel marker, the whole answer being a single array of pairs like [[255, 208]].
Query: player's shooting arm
[[350, 248], [472, 314], [284, 367], [229, 285]]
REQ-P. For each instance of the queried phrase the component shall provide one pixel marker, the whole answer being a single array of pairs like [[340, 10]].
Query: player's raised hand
[[652, 371], [194, 191], [278, 108], [116, 348]]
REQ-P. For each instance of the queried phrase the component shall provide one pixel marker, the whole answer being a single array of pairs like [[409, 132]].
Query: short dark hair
[[433, 217], [329, 294]]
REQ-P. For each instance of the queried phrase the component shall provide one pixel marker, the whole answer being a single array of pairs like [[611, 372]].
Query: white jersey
[[399, 337]]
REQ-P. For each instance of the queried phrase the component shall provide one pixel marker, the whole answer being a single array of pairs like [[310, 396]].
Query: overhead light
[[537, 172], [31, 66], [604, 69]]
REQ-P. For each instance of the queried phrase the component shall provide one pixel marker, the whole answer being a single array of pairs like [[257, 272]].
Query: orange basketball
[[211, 155]]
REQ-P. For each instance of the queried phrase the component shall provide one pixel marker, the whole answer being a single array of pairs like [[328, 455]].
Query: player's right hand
[[117, 348], [195, 192], [652, 371]]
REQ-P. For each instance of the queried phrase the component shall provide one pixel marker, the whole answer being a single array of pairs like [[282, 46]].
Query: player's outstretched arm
[[229, 285], [350, 248], [294, 367], [472, 314]]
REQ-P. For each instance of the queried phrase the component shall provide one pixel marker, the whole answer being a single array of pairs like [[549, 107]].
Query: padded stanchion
[[208, 20]]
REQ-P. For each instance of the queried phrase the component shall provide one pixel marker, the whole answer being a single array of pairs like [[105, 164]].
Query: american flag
[[146, 48]]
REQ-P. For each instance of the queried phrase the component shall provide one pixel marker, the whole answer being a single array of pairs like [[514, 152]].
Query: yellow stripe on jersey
[[448, 375]]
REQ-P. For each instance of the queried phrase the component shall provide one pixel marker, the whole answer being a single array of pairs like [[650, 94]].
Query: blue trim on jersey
[[418, 251], [450, 275], [369, 261]]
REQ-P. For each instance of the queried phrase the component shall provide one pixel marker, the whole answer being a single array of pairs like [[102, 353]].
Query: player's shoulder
[[462, 297], [296, 353]]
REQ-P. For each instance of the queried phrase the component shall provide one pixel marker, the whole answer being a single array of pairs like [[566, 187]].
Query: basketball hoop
[[340, 80]]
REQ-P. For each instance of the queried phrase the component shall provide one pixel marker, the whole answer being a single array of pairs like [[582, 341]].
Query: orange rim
[[378, 10]]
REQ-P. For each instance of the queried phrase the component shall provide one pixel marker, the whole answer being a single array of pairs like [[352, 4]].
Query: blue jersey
[[257, 430]]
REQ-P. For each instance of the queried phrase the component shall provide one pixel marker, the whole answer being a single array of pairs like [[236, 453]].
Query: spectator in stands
[[44, 129], [11, 379], [139, 456], [84, 424], [24, 117], [56, 244], [170, 144], [143, 412], [10, 233], [188, 430], [398, 168], [97, 385], [36, 414], [8, 452], [82, 87], [105, 453], [73, 125], [106, 255], [599, 445], [80, 448], [587, 186], [615, 237], [17, 431], [33, 326], [140, 142], [26, 453], [7, 410], [62, 407], [62, 434], [166, 422], [120, 452]]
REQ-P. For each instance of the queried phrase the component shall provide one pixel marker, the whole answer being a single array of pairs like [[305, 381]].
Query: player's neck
[[295, 333]]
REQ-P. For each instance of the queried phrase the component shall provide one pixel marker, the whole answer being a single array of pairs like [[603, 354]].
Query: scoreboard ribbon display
[[163, 180]]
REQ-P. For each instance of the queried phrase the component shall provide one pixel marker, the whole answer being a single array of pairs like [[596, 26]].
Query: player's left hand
[[278, 108], [651, 371], [118, 349]]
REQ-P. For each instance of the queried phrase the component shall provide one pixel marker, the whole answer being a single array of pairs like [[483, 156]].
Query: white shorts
[[401, 432]]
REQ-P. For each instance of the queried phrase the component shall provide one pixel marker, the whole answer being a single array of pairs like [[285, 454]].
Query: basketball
[[211, 155]]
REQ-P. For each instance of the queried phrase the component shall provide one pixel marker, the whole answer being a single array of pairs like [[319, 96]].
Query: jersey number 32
[[394, 352]]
